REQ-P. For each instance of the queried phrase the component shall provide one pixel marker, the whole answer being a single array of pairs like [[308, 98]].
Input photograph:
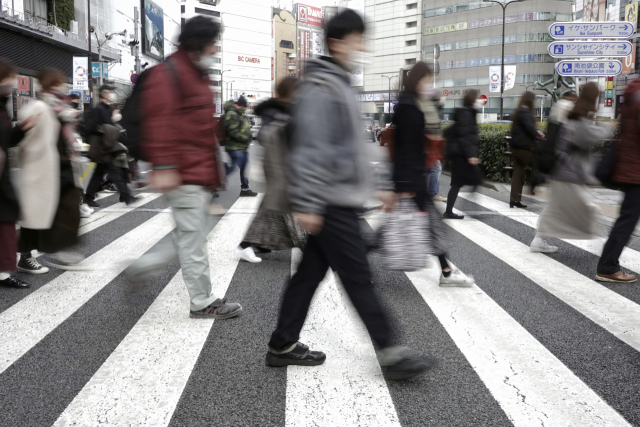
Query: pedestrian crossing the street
[[535, 342]]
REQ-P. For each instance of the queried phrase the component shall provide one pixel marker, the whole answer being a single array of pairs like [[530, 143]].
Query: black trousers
[[621, 231], [338, 246], [117, 176]]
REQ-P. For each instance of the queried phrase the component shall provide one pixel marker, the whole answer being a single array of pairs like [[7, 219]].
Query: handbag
[[404, 238], [604, 170], [433, 145]]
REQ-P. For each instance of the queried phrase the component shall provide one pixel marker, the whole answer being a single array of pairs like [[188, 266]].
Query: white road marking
[[348, 389], [102, 217], [529, 383], [141, 382], [630, 258], [27, 322]]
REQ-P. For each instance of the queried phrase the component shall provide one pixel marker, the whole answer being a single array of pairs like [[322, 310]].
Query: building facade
[[285, 45]]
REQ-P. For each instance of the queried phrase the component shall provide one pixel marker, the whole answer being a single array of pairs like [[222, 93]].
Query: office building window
[[182, 10], [412, 24], [412, 6], [286, 44], [207, 12], [410, 43], [410, 61]]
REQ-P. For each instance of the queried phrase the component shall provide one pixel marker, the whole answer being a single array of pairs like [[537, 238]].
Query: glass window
[[484, 42], [429, 13], [459, 63], [483, 81], [508, 102], [286, 44], [462, 45], [428, 49], [494, 102], [496, 40], [450, 9], [472, 81], [441, 11], [448, 83], [472, 43], [511, 38], [446, 46], [522, 38], [459, 103], [475, 5], [460, 82], [462, 7], [449, 103], [439, 83]]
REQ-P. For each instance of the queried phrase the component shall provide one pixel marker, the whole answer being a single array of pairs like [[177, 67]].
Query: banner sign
[[584, 49], [494, 79], [309, 15], [589, 68], [581, 30], [510, 76], [80, 73]]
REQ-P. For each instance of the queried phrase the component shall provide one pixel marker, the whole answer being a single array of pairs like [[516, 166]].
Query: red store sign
[[310, 15], [248, 59]]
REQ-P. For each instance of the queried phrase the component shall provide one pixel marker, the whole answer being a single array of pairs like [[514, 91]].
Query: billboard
[[152, 30], [630, 15], [309, 15], [80, 72]]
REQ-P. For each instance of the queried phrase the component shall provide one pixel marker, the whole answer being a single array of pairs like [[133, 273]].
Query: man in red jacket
[[179, 140], [626, 172]]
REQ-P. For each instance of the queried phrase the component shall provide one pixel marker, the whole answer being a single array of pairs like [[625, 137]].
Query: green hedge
[[493, 148], [65, 13]]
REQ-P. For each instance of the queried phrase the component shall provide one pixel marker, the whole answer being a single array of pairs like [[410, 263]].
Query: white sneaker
[[541, 245], [86, 207], [247, 254], [456, 279], [84, 213], [439, 198]]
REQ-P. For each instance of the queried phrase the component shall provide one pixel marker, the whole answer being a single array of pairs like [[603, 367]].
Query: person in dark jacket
[[462, 151], [523, 140], [182, 147], [626, 173], [409, 165], [9, 205], [237, 138], [103, 115]]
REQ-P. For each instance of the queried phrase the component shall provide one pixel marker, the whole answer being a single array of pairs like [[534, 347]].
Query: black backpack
[[132, 115], [545, 152]]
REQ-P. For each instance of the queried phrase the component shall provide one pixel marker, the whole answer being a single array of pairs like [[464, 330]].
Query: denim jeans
[[434, 179], [241, 159]]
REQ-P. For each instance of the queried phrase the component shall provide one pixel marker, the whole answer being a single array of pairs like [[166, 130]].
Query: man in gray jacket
[[330, 179]]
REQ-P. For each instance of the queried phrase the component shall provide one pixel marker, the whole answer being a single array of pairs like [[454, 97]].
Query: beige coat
[[38, 183]]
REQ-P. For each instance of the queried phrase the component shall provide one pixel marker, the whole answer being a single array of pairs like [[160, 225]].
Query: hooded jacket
[[237, 131], [329, 161]]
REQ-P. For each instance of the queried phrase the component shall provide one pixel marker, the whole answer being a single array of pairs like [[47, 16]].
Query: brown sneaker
[[619, 277]]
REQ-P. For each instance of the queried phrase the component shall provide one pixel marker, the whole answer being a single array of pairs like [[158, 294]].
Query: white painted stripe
[[141, 382], [348, 389], [27, 322], [630, 258], [529, 383], [606, 308], [102, 217]]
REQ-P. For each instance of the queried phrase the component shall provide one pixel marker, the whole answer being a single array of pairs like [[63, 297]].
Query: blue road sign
[[584, 30], [95, 69], [589, 68], [619, 49]]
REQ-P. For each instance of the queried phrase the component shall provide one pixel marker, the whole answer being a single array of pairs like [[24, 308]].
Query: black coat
[[524, 131], [101, 115], [268, 109], [9, 137], [463, 141], [409, 163]]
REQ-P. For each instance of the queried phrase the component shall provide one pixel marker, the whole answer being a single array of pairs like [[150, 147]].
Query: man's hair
[[103, 89], [74, 96], [198, 32], [50, 77], [343, 24], [7, 69]]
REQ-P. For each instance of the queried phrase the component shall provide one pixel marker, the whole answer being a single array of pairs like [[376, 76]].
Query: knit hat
[[242, 101]]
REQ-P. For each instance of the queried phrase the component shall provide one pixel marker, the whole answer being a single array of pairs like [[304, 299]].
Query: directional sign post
[[564, 49], [588, 30], [589, 68]]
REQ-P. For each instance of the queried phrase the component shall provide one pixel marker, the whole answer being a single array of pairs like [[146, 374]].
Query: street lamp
[[107, 37], [502, 76], [222, 84], [389, 77]]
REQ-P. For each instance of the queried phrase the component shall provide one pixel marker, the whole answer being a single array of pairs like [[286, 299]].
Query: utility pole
[[90, 75], [502, 76], [222, 86], [389, 77], [136, 21]]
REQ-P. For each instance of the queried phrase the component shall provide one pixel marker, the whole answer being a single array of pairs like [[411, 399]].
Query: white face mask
[[428, 92], [355, 62], [205, 62], [116, 117], [477, 105], [112, 98]]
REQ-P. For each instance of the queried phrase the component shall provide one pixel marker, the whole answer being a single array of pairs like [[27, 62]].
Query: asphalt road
[[535, 342]]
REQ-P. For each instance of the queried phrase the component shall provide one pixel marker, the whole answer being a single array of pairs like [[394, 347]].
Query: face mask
[[117, 117], [205, 62], [6, 90], [355, 62], [58, 93], [428, 93], [112, 97], [477, 105]]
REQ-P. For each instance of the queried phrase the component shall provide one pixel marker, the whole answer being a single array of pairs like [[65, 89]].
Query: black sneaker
[[247, 193], [219, 309], [32, 266], [88, 200], [129, 200], [448, 215], [299, 355], [14, 282], [403, 363]]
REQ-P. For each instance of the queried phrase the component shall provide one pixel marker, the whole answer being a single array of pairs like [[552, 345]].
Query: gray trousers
[[189, 207]]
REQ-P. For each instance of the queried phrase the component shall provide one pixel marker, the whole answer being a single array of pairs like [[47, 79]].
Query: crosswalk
[[536, 342]]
